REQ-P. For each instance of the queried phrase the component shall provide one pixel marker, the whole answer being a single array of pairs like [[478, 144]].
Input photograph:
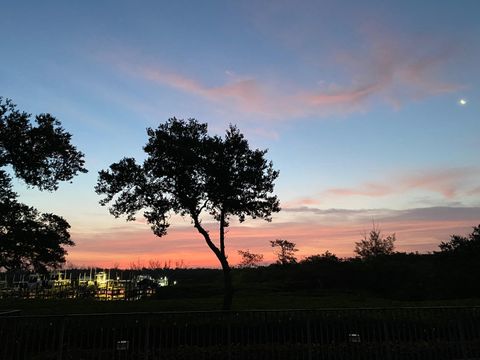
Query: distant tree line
[[451, 272]]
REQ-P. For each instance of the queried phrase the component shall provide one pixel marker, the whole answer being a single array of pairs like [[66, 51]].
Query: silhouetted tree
[[190, 173], [285, 251], [459, 264], [327, 256], [154, 264], [458, 243], [321, 271], [40, 154], [31, 240], [249, 259], [375, 244]]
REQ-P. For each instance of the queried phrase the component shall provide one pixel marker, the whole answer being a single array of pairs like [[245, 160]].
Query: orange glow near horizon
[[184, 247]]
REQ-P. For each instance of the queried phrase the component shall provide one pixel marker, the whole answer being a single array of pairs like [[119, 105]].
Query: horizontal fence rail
[[390, 334]]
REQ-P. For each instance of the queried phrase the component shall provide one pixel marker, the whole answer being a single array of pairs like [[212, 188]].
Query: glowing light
[[462, 102]]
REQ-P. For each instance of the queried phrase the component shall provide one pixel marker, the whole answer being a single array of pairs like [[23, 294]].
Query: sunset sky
[[369, 109]]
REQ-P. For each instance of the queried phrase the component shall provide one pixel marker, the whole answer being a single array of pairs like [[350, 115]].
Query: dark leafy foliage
[[375, 244], [452, 273], [41, 155], [187, 172], [326, 257], [285, 251], [249, 259], [463, 244], [190, 173], [31, 240], [459, 263]]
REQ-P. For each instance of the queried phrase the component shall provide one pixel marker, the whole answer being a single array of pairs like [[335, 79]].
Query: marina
[[106, 285]]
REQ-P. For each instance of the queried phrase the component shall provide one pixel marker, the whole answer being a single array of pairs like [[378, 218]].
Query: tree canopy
[[191, 173], [285, 251], [375, 244], [32, 240], [326, 257], [463, 244], [249, 259], [39, 153]]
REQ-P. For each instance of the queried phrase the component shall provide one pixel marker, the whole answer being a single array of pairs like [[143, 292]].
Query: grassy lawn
[[243, 300]]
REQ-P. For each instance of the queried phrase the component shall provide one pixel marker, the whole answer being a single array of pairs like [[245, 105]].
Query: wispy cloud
[[400, 70], [245, 93], [389, 70], [474, 191], [436, 213], [447, 182], [300, 202], [366, 189]]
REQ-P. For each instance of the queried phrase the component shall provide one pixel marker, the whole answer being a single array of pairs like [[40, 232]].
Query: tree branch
[[207, 238], [203, 207]]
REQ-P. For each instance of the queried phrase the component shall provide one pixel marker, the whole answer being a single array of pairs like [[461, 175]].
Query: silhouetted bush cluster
[[452, 272], [398, 276]]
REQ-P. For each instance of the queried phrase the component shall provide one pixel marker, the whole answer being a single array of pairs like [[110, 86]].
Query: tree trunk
[[227, 277], [220, 254], [228, 287]]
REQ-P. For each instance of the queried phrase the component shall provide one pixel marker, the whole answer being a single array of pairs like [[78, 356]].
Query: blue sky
[[358, 103]]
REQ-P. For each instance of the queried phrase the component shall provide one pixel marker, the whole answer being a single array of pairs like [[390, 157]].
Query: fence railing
[[390, 334]]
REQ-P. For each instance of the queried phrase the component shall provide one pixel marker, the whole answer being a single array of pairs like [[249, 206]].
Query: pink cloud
[[245, 94], [304, 201], [367, 189], [475, 191], [335, 95], [419, 72], [400, 69], [388, 68], [396, 70], [447, 182]]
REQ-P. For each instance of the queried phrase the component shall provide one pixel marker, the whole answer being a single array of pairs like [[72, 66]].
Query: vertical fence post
[[60, 339], [388, 345], [461, 335], [309, 339], [229, 335], [147, 337]]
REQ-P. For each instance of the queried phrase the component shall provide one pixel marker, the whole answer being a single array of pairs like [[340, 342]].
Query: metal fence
[[390, 334]]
